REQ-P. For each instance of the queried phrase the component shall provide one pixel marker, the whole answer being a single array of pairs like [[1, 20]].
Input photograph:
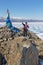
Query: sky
[[32, 9]]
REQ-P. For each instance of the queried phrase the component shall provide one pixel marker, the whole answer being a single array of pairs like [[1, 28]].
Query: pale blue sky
[[32, 9]]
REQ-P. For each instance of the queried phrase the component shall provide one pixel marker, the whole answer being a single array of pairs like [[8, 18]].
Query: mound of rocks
[[15, 49], [19, 52], [5, 34]]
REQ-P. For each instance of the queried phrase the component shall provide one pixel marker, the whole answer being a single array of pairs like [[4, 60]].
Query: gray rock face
[[29, 56]]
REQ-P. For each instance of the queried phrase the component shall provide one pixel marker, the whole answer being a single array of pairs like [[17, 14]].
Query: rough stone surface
[[31, 56], [19, 50]]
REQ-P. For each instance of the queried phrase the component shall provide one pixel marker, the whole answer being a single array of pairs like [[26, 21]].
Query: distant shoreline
[[20, 20], [23, 21]]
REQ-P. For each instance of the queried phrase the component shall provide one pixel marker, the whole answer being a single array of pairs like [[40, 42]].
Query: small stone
[[24, 39], [1, 40], [17, 44]]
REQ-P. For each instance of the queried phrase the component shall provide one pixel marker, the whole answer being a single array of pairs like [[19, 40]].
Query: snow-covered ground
[[36, 27]]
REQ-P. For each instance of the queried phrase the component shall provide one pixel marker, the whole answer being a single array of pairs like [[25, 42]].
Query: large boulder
[[32, 56], [20, 50], [29, 56]]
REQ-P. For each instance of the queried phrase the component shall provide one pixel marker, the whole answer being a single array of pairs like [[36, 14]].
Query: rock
[[25, 39], [19, 50], [1, 36], [14, 51], [0, 59], [18, 45], [1, 40], [32, 52], [28, 54]]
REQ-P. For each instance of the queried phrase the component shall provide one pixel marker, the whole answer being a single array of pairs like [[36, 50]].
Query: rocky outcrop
[[17, 49], [5, 34], [28, 54]]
